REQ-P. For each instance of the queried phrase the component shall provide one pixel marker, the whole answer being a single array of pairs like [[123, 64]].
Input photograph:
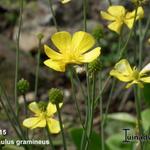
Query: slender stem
[[82, 90], [130, 33], [17, 58], [76, 103], [8, 115], [61, 127], [90, 125], [140, 44], [138, 111], [109, 1], [25, 110], [84, 15], [101, 114], [9, 106], [101, 92], [50, 139], [109, 100], [37, 70], [53, 14]]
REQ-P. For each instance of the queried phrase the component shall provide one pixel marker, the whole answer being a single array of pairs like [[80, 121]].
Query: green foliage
[[146, 119], [115, 142], [76, 135], [12, 147], [122, 116], [146, 93]]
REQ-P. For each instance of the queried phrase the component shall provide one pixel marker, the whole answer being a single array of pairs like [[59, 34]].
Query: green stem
[[50, 139], [37, 69], [74, 97], [140, 44], [25, 110], [122, 51], [82, 90], [109, 101], [109, 1], [91, 113], [101, 114], [14, 116], [101, 92], [17, 58], [61, 127], [53, 14], [138, 111], [85, 15]]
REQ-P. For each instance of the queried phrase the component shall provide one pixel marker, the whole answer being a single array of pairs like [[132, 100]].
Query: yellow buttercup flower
[[72, 50], [125, 73], [43, 117], [65, 1], [118, 16]]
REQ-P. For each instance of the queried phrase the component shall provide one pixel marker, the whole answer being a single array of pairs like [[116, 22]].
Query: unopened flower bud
[[94, 66], [22, 86], [97, 32], [55, 96]]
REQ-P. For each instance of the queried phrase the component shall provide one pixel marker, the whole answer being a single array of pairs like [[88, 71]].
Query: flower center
[[135, 74]]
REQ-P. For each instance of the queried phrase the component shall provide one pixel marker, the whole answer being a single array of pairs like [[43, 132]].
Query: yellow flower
[[72, 50], [125, 73], [43, 117], [118, 16], [65, 1]]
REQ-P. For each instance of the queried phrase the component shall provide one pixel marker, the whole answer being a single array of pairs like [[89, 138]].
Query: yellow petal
[[56, 65], [116, 11], [135, 82], [51, 109], [34, 122], [34, 108], [120, 76], [52, 54], [107, 16], [131, 15], [90, 56], [145, 79], [62, 40], [65, 1], [146, 69], [53, 125], [115, 26], [129, 23], [124, 67], [82, 42]]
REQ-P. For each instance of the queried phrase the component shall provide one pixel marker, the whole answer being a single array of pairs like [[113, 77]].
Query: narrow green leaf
[[121, 116]]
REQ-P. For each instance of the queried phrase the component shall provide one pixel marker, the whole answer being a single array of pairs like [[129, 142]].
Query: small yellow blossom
[[43, 117], [125, 73], [65, 1], [71, 50], [118, 16]]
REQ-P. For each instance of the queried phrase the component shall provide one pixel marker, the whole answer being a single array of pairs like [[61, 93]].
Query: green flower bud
[[94, 66], [42, 105], [22, 86], [97, 32], [55, 96]]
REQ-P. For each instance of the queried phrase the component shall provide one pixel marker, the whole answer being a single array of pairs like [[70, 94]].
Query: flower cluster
[[125, 73], [72, 50], [118, 16], [43, 117]]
